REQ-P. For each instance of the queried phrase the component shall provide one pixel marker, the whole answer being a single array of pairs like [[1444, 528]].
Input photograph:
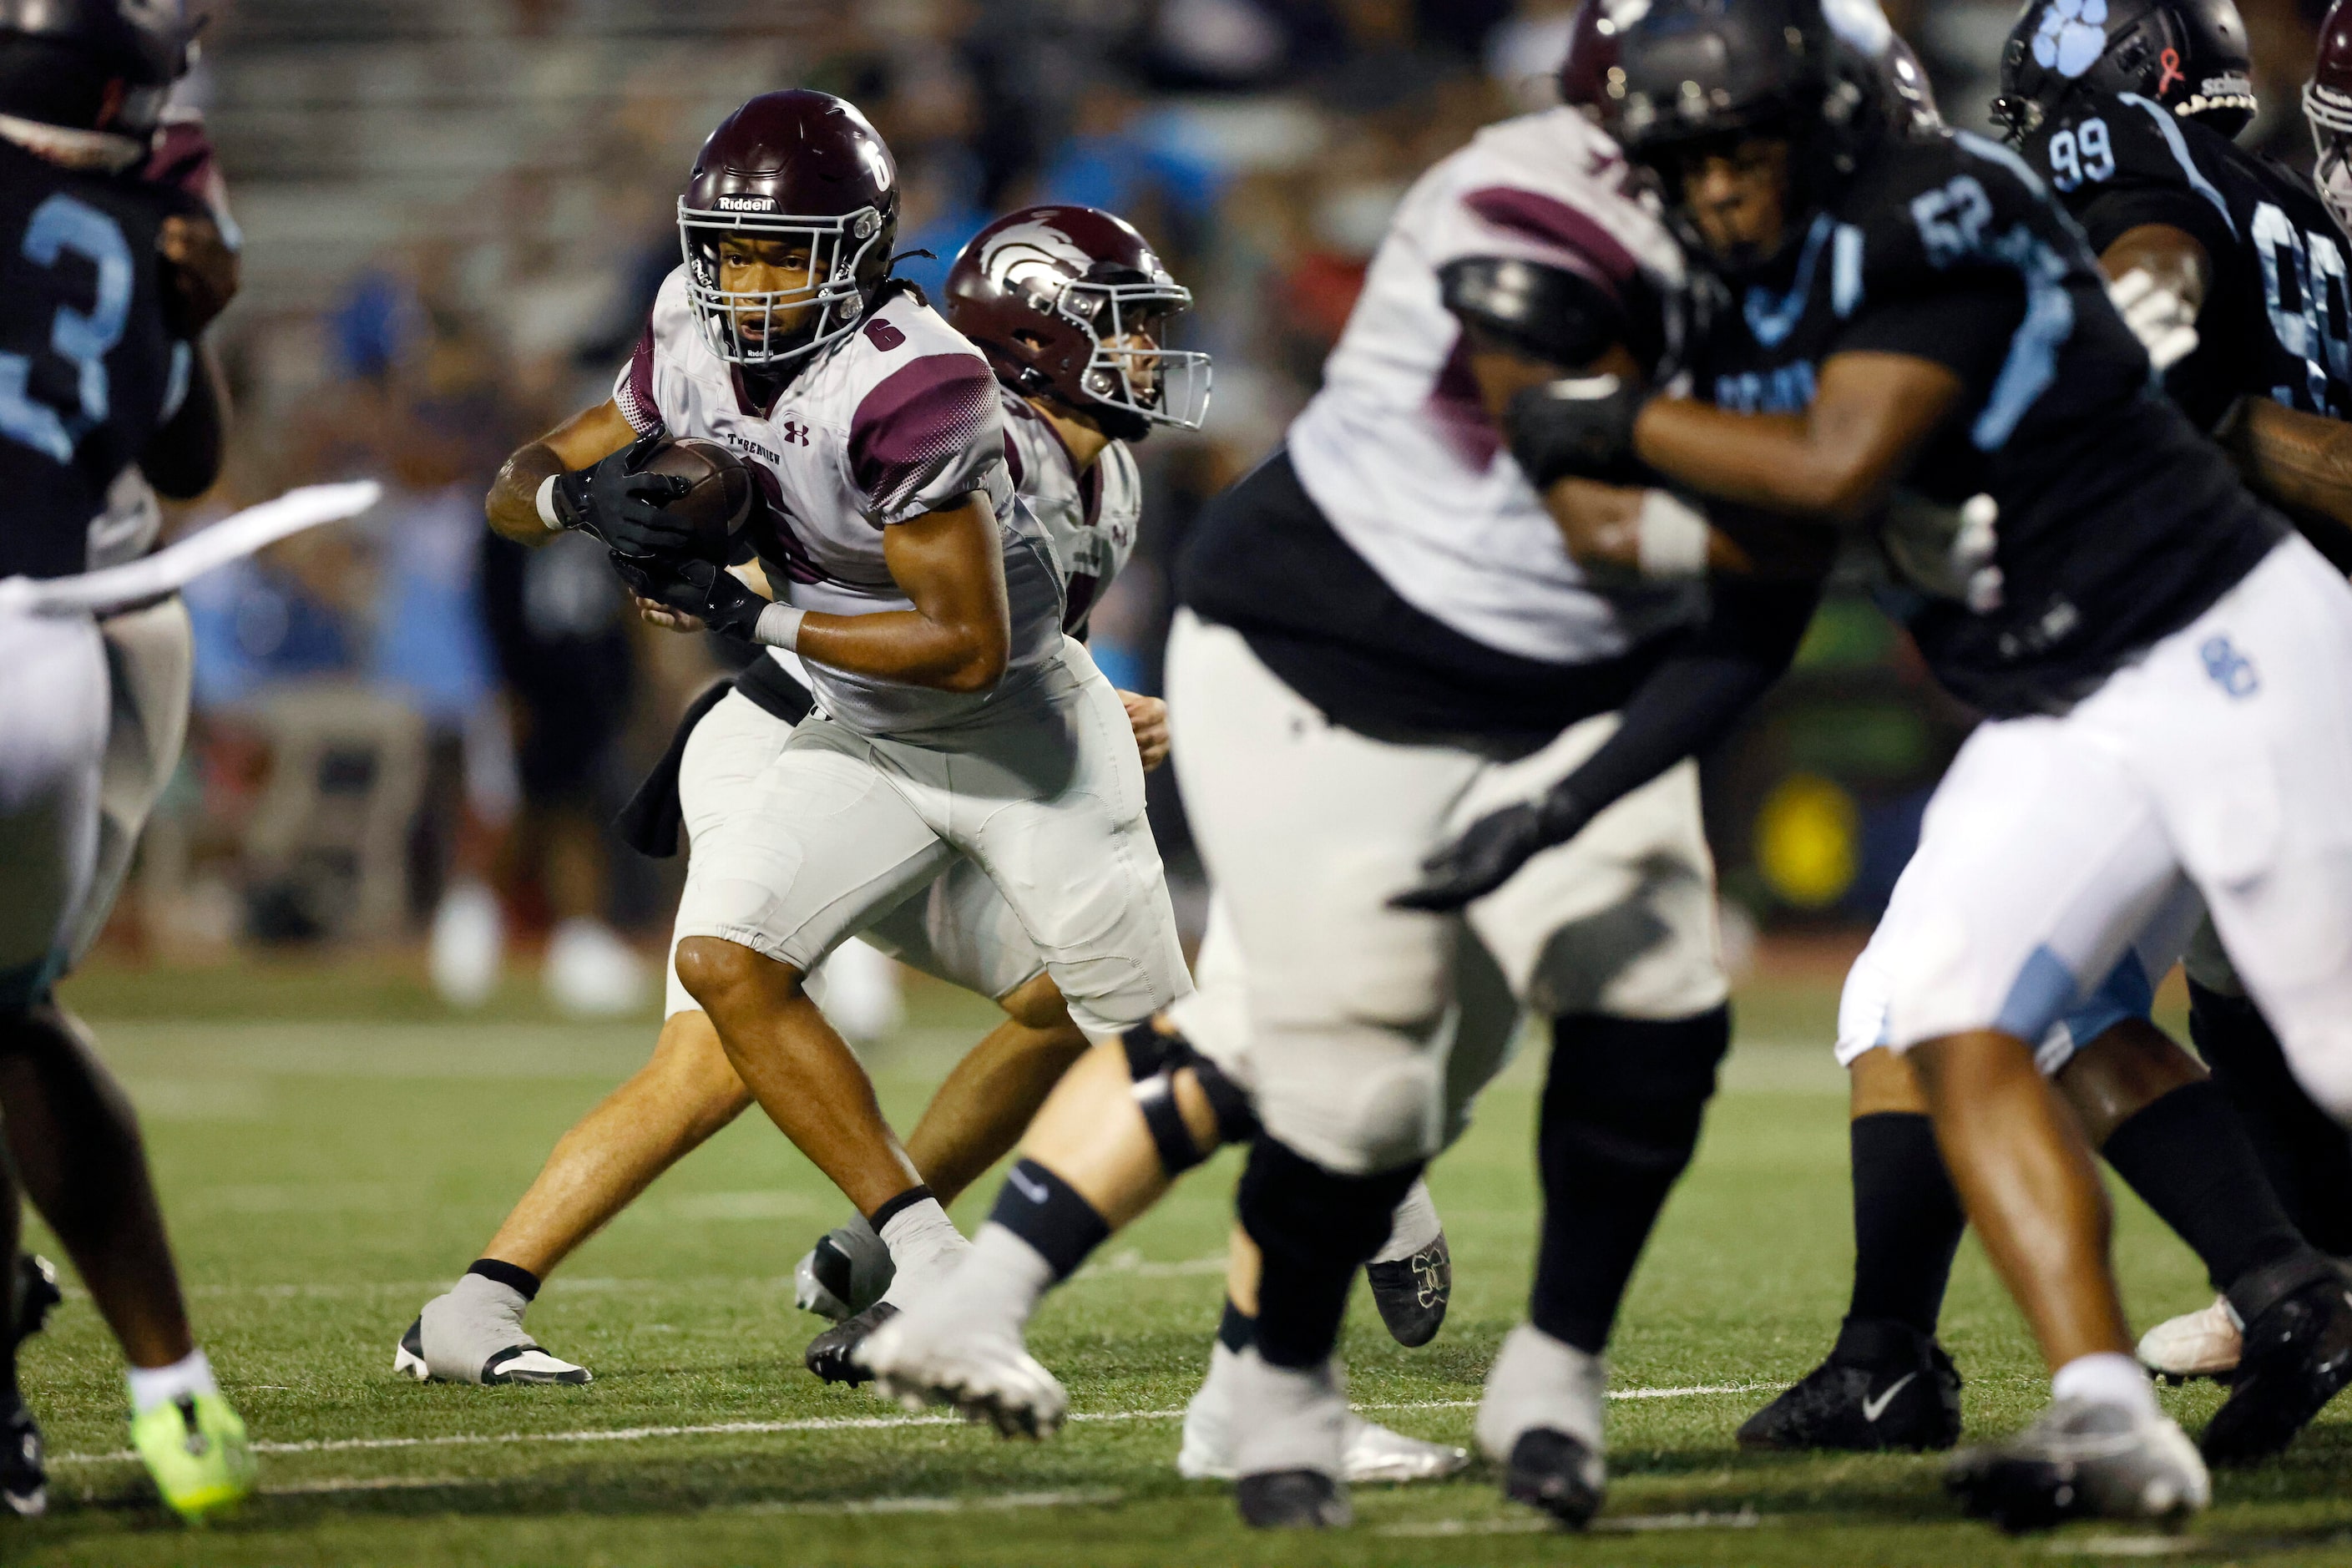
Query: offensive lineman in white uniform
[[957, 720], [1384, 637]]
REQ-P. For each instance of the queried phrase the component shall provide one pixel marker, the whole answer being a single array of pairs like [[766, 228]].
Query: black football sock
[[1047, 1212], [2305, 1154], [2188, 1159], [1622, 1108], [1908, 1219], [1236, 1331], [1314, 1229], [514, 1277]]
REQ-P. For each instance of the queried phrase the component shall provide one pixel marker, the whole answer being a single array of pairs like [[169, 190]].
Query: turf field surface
[[331, 1154]]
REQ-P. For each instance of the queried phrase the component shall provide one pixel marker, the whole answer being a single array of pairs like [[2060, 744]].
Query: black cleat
[[1412, 1293], [829, 1354], [36, 1294], [2081, 1461], [1884, 1385], [2298, 1356], [1557, 1473], [1292, 1500], [24, 1480]]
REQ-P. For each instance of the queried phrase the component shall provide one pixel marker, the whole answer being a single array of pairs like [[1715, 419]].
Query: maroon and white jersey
[[1397, 451], [1089, 519], [899, 418]]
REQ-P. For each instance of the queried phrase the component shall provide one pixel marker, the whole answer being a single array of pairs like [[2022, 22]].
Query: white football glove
[[2164, 322]]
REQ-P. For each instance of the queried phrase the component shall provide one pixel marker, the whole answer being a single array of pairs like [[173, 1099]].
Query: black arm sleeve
[[1548, 313], [1693, 698]]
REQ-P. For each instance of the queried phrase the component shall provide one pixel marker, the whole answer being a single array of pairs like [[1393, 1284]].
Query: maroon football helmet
[[803, 169], [2327, 104], [1591, 53], [1070, 303]]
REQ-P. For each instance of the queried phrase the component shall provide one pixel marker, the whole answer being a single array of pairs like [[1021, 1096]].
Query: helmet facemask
[[2330, 114], [831, 257], [1131, 368]]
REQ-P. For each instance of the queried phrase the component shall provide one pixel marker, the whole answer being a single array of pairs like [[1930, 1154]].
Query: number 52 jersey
[[88, 370], [2275, 323]]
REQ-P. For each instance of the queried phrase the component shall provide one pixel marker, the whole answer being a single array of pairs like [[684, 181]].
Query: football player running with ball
[[2160, 657], [1384, 637], [2196, 237], [956, 720]]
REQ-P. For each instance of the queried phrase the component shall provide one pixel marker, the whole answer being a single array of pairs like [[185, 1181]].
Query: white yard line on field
[[814, 1424]]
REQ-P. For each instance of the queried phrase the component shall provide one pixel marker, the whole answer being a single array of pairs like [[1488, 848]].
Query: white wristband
[[779, 626], [1672, 535], [546, 502]]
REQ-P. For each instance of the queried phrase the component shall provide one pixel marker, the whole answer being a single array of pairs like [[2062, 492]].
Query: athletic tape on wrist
[[545, 502], [779, 626], [1673, 536]]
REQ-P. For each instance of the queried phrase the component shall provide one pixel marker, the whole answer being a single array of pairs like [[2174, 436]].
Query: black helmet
[[92, 65], [1693, 73], [2187, 55]]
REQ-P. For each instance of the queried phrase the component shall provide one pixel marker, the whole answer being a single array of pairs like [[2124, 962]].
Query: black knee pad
[[1639, 1085], [1153, 1060], [1314, 1229]]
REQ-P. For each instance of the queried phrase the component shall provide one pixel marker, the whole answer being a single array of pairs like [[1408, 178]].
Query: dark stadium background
[[455, 212]]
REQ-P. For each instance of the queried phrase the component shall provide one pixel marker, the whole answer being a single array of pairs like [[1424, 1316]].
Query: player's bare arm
[[580, 442], [2301, 461], [958, 636], [1836, 463]]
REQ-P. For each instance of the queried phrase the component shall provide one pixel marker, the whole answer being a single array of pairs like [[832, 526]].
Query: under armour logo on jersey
[[2233, 671], [2072, 36], [793, 432]]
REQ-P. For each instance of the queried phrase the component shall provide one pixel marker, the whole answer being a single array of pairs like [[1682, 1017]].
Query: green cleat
[[196, 1449]]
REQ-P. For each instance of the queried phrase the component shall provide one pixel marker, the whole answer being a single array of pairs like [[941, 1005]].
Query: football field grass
[[333, 1153]]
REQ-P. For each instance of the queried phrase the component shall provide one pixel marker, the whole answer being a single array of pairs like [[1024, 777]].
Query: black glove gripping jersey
[[2274, 321], [2118, 523], [87, 371]]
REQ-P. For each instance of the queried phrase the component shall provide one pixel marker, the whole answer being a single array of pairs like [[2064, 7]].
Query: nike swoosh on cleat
[[1872, 1409], [1034, 1191]]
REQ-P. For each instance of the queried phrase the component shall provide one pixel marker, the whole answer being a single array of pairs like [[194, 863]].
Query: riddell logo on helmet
[[747, 204]]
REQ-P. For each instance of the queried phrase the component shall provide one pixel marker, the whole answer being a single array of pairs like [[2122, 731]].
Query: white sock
[[153, 1385], [1538, 1381], [480, 1293], [1413, 1226], [2110, 1377], [1002, 1279], [921, 1235]]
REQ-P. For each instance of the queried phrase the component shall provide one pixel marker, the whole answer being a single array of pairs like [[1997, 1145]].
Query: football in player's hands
[[716, 500]]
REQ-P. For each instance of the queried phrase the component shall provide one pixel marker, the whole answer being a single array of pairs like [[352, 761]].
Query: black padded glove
[[1579, 426], [1493, 848], [712, 595], [623, 507]]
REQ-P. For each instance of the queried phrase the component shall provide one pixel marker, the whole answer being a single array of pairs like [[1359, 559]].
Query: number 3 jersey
[[2118, 521], [88, 370], [2275, 322], [896, 419]]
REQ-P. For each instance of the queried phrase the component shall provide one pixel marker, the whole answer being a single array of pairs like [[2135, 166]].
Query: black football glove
[[1492, 849], [1579, 426], [622, 506], [711, 593]]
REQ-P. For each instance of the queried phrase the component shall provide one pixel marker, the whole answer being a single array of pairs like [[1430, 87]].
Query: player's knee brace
[[1153, 1060], [1314, 1229]]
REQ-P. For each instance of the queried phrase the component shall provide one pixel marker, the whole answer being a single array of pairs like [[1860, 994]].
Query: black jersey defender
[[2275, 323], [2118, 521], [88, 371]]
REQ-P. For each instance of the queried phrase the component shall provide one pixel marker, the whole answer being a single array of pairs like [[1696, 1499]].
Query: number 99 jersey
[[2275, 322], [88, 370]]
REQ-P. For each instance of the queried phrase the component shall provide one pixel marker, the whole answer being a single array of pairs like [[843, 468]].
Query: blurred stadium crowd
[[455, 214]]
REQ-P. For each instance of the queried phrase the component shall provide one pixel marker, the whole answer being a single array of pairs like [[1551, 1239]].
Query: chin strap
[[73, 149]]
